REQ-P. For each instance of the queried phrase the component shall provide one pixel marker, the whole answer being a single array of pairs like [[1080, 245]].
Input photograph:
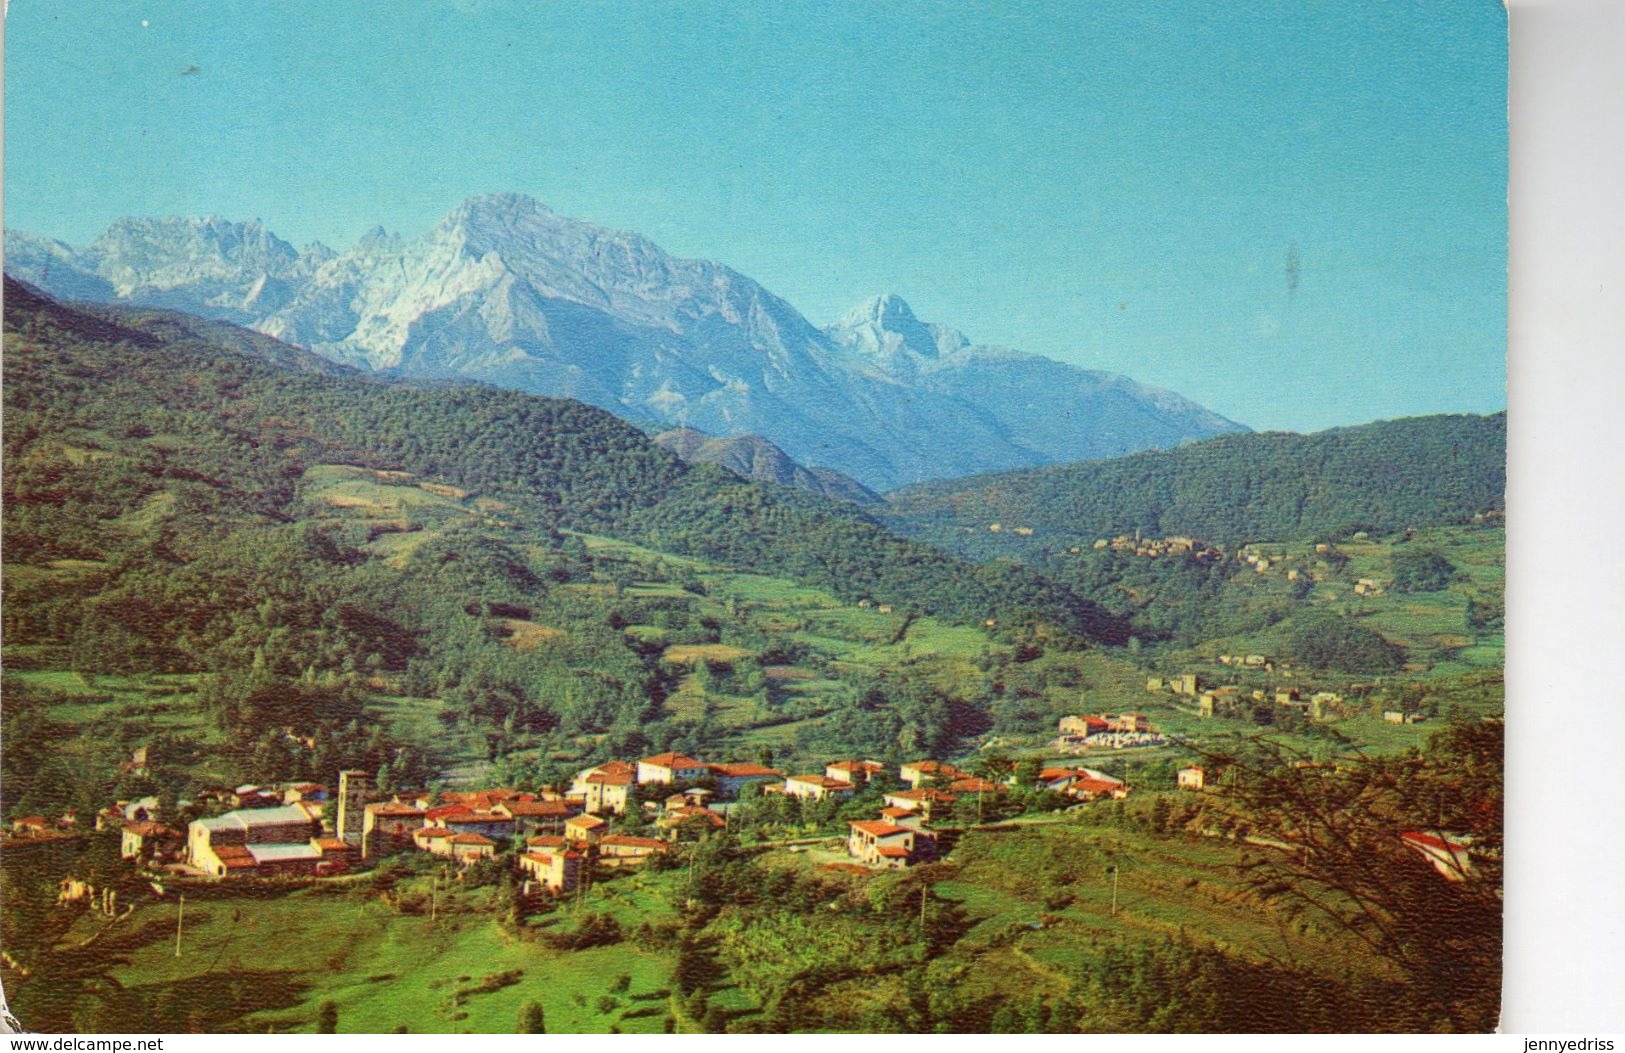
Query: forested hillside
[[174, 400], [265, 566], [1229, 490]]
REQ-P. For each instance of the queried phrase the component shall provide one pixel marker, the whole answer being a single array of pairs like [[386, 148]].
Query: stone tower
[[353, 790]]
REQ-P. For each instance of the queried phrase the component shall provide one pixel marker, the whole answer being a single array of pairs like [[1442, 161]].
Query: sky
[[1292, 212]]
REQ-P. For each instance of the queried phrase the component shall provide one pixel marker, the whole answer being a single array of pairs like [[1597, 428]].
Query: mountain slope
[[247, 427], [1236, 488], [753, 457], [504, 290], [1056, 411]]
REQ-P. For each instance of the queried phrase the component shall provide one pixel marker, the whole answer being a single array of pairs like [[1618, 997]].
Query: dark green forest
[[1229, 490]]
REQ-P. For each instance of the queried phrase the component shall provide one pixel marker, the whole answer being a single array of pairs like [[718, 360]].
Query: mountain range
[[506, 291]]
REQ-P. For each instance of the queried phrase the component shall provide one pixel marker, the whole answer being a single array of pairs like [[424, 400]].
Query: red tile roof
[[538, 809], [547, 841], [973, 785], [235, 857], [471, 839], [589, 822], [877, 827], [333, 844], [447, 810], [628, 841], [934, 767], [925, 795], [672, 760], [821, 780], [746, 770], [429, 832], [892, 851], [856, 766], [611, 778], [893, 812]]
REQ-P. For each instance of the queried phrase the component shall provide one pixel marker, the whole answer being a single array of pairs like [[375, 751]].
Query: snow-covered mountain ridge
[[506, 291]]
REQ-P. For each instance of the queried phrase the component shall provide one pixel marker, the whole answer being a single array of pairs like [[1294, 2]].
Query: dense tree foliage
[[1227, 490]]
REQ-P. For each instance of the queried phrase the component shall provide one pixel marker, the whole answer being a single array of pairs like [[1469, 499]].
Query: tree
[[531, 1020], [1420, 570], [1339, 859], [327, 1018], [1325, 641]]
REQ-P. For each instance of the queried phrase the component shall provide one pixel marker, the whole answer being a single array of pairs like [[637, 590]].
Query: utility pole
[[1113, 871], [923, 890], [180, 912]]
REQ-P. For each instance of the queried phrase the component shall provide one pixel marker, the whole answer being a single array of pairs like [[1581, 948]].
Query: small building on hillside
[[628, 850], [971, 784], [690, 823], [1447, 853], [558, 870], [816, 787], [278, 838], [670, 767], [1083, 726], [925, 801], [878, 842], [470, 847], [304, 791], [606, 788], [856, 772], [147, 839], [387, 827], [436, 840], [537, 817], [1192, 778], [928, 772], [731, 778], [585, 829]]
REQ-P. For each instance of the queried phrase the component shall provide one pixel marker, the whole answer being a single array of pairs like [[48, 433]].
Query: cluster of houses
[[1107, 731], [1232, 699], [1155, 547], [304, 830]]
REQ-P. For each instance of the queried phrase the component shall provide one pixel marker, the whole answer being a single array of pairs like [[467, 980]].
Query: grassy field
[[459, 971]]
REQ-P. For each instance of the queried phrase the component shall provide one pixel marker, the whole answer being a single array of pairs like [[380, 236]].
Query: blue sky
[[1294, 213]]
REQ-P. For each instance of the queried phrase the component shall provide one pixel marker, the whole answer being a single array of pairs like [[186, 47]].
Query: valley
[[231, 565]]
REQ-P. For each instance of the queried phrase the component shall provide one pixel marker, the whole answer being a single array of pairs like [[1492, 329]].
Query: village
[[610, 816]]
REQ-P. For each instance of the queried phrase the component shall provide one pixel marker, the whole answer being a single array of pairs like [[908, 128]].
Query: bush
[[1421, 570]]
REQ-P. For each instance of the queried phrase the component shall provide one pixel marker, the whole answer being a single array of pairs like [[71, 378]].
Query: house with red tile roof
[[927, 772], [816, 787], [547, 841], [731, 778], [670, 767], [436, 840], [856, 772], [1446, 853], [690, 822], [605, 788], [971, 784], [468, 848], [535, 817], [585, 829], [387, 827], [145, 837], [880, 843], [924, 800], [558, 870], [627, 850]]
